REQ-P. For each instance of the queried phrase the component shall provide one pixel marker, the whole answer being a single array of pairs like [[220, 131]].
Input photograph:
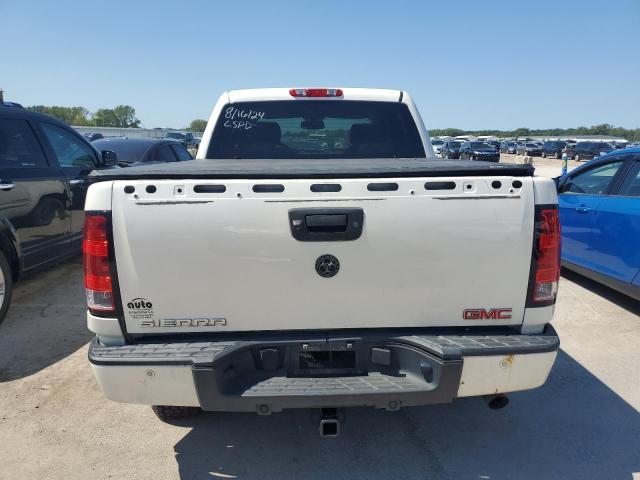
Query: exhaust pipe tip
[[496, 402]]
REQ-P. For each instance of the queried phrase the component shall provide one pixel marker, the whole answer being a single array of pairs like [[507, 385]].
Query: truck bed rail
[[315, 168]]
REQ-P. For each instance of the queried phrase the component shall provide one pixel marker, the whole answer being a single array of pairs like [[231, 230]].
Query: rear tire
[[167, 413], [6, 286]]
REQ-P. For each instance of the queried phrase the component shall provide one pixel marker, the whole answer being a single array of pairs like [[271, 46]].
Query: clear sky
[[468, 63]]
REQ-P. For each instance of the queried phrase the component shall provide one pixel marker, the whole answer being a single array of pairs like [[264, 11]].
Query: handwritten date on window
[[240, 118]]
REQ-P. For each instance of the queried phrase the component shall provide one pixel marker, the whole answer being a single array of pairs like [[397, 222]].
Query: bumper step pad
[[372, 383], [444, 346], [157, 353], [454, 346]]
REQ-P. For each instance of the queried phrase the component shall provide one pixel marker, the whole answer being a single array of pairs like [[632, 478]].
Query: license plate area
[[325, 359]]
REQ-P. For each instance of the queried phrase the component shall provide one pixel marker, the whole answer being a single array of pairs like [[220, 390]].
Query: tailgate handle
[[326, 224]]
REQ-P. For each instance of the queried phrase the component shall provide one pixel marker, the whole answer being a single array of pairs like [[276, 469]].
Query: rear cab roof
[[269, 94], [282, 93]]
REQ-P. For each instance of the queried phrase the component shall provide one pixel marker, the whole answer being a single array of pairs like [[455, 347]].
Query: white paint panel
[[107, 329], [99, 197], [545, 191], [267, 94], [422, 259], [504, 373], [148, 385], [536, 318], [422, 130], [203, 148]]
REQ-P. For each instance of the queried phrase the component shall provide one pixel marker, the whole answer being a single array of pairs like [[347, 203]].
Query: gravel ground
[[583, 424]]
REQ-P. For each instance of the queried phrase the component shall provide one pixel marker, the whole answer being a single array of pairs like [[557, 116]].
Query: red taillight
[[97, 272], [547, 273], [315, 92]]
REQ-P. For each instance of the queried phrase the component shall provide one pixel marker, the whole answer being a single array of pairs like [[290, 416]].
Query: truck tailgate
[[197, 255]]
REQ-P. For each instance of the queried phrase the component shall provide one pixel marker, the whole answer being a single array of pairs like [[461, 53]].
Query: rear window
[[18, 146], [181, 152], [176, 135], [309, 129]]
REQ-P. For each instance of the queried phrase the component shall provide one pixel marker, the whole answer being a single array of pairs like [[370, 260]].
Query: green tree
[[71, 115], [198, 125], [522, 132], [446, 132], [105, 117], [126, 116], [123, 116]]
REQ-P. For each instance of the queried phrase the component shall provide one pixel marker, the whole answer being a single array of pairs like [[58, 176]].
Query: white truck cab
[[316, 254]]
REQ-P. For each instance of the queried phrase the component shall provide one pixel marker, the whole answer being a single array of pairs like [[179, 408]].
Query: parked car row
[[469, 151], [555, 148]]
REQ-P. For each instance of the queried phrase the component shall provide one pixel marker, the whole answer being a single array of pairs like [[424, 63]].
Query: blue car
[[600, 220]]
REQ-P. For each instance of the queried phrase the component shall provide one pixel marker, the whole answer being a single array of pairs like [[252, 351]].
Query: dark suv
[[589, 150], [553, 149], [44, 168], [450, 149]]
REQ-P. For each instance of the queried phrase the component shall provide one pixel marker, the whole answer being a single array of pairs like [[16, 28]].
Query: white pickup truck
[[317, 254]]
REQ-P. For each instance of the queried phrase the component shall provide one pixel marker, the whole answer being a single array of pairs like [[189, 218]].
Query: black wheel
[[559, 156], [167, 413], [6, 286]]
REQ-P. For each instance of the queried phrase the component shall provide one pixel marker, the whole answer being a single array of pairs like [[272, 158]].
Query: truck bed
[[316, 168]]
